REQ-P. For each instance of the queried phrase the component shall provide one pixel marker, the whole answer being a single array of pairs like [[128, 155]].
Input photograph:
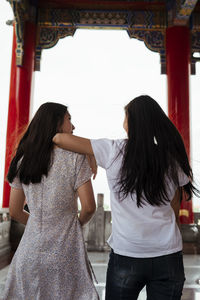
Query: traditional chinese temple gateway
[[169, 27]]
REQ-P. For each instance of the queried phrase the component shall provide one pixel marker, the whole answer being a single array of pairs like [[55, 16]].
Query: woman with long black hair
[[147, 174], [51, 261]]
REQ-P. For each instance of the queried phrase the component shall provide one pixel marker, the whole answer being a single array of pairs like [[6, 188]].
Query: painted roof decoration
[[146, 20]]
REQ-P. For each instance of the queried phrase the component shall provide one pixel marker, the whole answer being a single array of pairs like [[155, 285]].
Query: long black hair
[[33, 155], [153, 151]]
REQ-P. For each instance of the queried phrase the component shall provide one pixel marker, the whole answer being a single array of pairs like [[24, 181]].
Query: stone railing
[[4, 231], [96, 232]]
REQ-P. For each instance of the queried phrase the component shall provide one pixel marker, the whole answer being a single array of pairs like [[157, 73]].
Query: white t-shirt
[[148, 231]]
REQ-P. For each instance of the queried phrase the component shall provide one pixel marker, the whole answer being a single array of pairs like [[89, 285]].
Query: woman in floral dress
[[51, 261]]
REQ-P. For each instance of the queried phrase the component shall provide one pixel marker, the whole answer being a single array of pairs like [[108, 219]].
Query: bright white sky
[[95, 73]]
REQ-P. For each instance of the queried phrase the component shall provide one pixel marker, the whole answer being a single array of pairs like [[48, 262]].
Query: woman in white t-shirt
[[147, 174]]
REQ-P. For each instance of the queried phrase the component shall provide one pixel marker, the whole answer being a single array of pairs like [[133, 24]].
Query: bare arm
[[176, 203], [73, 143], [93, 165], [88, 205], [16, 208]]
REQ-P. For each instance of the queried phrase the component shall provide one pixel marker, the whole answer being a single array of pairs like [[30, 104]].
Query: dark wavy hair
[[33, 155], [153, 151]]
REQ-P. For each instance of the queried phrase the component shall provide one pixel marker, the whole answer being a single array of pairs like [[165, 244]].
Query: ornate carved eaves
[[146, 25], [48, 38], [22, 12], [180, 12], [109, 19], [55, 17], [54, 24], [120, 19], [154, 40]]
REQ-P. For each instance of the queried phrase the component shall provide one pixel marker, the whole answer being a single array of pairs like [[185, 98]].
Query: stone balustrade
[[4, 231], [96, 232]]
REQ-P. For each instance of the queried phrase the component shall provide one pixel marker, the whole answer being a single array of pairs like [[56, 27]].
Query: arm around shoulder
[[73, 143]]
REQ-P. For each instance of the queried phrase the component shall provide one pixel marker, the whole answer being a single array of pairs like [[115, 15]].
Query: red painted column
[[178, 62], [19, 98]]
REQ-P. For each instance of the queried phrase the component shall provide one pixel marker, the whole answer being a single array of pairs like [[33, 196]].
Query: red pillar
[[19, 98], [178, 62]]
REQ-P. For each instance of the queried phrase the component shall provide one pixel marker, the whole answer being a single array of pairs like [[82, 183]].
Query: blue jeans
[[163, 277]]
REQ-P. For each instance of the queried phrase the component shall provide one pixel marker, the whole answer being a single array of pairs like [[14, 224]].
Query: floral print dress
[[51, 260]]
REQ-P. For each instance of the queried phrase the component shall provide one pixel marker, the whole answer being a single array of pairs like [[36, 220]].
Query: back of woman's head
[[154, 151], [36, 145]]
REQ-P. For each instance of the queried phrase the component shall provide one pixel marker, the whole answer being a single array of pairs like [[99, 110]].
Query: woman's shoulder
[[118, 145], [111, 143], [68, 154]]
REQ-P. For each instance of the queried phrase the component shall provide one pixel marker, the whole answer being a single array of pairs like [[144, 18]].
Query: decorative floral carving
[[154, 40], [148, 20], [106, 18], [55, 17]]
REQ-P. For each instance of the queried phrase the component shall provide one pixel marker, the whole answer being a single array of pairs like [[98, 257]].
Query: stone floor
[[99, 262]]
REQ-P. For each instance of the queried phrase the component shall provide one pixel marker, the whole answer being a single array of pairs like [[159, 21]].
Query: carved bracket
[[48, 38], [154, 40], [22, 12], [19, 10]]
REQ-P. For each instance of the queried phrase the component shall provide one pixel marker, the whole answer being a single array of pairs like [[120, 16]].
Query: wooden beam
[[183, 11], [105, 4]]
